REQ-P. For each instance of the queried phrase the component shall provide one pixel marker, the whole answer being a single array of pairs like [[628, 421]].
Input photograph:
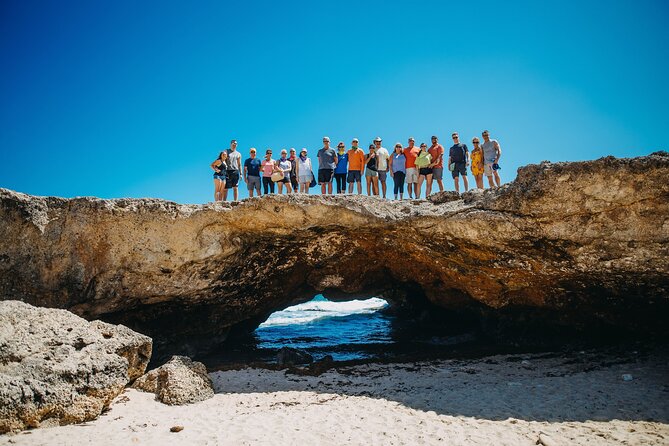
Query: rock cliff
[[565, 244]]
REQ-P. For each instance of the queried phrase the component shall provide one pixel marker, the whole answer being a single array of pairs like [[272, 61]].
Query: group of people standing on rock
[[412, 165]]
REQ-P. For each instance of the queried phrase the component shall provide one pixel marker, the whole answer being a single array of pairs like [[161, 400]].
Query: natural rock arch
[[575, 243]]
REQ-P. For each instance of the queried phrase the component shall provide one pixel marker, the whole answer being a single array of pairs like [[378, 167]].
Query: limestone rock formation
[[179, 381], [291, 356], [57, 368], [564, 245]]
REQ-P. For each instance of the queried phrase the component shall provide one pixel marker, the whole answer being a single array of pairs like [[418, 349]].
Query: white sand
[[498, 400]]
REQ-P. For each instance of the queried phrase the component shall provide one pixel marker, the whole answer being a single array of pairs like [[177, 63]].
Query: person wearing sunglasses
[[477, 163], [458, 160], [341, 169], [398, 170], [491, 154]]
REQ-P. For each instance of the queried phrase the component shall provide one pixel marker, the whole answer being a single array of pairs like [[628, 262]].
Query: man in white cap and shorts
[[382, 157]]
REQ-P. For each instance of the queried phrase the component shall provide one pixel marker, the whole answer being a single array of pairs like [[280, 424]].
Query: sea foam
[[321, 308]]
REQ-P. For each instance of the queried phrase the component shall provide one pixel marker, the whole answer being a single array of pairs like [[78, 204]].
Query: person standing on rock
[[437, 152], [304, 171], [220, 166], [283, 165], [382, 157], [234, 167], [293, 170], [491, 154], [477, 163], [356, 164], [267, 166], [423, 163], [252, 172], [327, 161], [398, 170], [458, 159], [340, 170], [371, 174], [410, 153]]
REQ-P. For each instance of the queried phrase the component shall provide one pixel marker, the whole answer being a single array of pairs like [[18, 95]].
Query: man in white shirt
[[382, 157]]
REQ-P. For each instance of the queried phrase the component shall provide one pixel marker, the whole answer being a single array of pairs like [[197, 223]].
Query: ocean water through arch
[[348, 330]]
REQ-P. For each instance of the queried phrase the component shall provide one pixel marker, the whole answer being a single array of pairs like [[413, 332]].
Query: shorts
[[382, 176], [233, 179], [437, 173], [371, 173], [412, 175], [253, 182], [459, 169], [325, 175], [353, 176], [219, 177], [487, 169], [284, 181], [425, 171], [304, 179]]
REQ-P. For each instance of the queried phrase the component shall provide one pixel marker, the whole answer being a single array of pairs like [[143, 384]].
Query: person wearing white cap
[[356, 164], [327, 161], [304, 171], [382, 157]]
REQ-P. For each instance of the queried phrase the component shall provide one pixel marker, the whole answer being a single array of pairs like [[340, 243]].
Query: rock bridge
[[577, 245]]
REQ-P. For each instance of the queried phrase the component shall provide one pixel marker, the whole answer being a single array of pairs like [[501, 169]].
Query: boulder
[[177, 382], [287, 356], [57, 368]]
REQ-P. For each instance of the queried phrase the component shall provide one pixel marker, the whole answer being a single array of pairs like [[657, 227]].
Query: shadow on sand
[[555, 387]]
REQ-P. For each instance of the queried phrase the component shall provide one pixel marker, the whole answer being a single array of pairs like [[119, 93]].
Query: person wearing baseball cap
[[356, 164], [382, 157], [327, 161], [411, 153]]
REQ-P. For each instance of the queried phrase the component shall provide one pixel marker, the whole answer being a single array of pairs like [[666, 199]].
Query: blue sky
[[135, 99]]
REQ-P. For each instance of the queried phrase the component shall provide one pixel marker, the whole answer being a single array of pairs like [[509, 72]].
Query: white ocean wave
[[320, 309]]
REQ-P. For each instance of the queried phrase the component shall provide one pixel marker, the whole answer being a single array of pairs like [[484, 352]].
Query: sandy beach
[[556, 399]]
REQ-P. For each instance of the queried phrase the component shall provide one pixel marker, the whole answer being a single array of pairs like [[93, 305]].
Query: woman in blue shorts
[[371, 171], [219, 166]]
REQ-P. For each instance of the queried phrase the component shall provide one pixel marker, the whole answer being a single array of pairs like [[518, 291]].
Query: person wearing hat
[[252, 172], [356, 164], [304, 171], [410, 153], [340, 170], [327, 161], [382, 157]]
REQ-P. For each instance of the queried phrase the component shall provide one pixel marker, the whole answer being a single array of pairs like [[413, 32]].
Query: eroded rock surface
[[566, 244], [179, 381], [57, 368]]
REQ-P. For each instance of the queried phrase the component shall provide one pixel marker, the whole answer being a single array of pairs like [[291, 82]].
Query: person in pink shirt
[[267, 167]]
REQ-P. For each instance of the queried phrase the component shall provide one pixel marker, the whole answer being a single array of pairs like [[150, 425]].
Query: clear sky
[[136, 98]]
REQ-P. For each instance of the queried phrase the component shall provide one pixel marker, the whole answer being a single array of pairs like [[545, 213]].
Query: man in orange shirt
[[356, 163], [437, 165], [410, 153]]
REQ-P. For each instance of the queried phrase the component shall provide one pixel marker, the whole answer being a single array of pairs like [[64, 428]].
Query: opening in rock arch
[[354, 329]]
